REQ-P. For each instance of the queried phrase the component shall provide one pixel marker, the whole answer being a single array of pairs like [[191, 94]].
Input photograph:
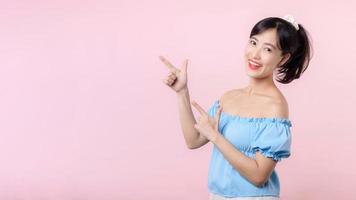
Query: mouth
[[254, 65]]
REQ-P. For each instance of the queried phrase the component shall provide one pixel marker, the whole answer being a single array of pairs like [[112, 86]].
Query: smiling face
[[263, 55]]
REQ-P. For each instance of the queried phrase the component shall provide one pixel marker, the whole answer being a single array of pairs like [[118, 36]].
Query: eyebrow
[[265, 43]]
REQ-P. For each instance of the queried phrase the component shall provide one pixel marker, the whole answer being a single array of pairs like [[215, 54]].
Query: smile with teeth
[[253, 65]]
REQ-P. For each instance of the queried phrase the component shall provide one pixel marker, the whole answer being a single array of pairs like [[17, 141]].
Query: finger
[[165, 82], [199, 108], [171, 82], [217, 116], [171, 79], [168, 64], [172, 76]]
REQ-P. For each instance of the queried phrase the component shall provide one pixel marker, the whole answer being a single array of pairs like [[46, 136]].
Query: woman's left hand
[[207, 125]]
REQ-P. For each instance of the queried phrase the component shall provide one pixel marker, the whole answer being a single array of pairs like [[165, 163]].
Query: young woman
[[249, 126]]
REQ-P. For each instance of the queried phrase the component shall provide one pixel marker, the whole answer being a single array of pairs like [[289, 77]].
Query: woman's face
[[262, 55]]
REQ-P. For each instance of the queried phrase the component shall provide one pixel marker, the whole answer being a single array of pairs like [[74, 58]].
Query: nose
[[256, 54]]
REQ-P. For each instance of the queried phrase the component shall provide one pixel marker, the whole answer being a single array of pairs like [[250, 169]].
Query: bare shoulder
[[231, 93], [279, 106], [272, 103]]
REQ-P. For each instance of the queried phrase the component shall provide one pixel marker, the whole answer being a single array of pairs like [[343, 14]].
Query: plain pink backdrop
[[84, 113]]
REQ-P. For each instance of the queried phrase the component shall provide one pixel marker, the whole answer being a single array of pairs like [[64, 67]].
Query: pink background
[[84, 113]]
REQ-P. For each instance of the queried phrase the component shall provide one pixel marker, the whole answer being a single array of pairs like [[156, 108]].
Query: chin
[[253, 75]]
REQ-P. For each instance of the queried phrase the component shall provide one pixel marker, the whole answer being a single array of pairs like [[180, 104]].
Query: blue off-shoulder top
[[270, 136]]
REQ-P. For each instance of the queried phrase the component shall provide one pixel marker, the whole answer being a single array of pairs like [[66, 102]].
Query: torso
[[269, 104]]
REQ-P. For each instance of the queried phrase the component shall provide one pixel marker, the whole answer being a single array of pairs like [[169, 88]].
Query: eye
[[268, 49], [252, 42]]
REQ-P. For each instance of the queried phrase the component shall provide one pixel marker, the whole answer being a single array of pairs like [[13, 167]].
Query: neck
[[260, 85]]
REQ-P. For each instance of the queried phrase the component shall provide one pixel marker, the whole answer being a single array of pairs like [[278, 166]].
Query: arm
[[256, 171], [193, 138]]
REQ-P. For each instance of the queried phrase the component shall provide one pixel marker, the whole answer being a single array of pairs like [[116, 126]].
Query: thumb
[[217, 116], [185, 65]]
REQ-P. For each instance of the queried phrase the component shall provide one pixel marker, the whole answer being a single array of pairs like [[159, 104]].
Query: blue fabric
[[270, 136]]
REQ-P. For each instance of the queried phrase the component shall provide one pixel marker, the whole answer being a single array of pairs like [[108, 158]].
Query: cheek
[[270, 59], [247, 52]]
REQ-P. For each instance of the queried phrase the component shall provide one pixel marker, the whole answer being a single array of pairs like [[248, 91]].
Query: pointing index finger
[[199, 108], [168, 64]]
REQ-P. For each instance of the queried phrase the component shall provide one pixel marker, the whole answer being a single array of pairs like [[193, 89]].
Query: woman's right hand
[[176, 79]]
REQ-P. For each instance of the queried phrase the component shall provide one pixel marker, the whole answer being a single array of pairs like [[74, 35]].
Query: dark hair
[[290, 40]]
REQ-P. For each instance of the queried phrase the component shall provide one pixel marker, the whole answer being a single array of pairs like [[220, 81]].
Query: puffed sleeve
[[273, 140]]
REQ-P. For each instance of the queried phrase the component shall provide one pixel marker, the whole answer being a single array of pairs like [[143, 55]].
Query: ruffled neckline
[[255, 119]]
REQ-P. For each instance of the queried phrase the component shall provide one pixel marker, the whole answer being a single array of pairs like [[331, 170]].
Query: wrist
[[216, 137], [183, 91]]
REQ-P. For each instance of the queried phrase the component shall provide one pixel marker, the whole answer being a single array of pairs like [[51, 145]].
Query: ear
[[284, 59]]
